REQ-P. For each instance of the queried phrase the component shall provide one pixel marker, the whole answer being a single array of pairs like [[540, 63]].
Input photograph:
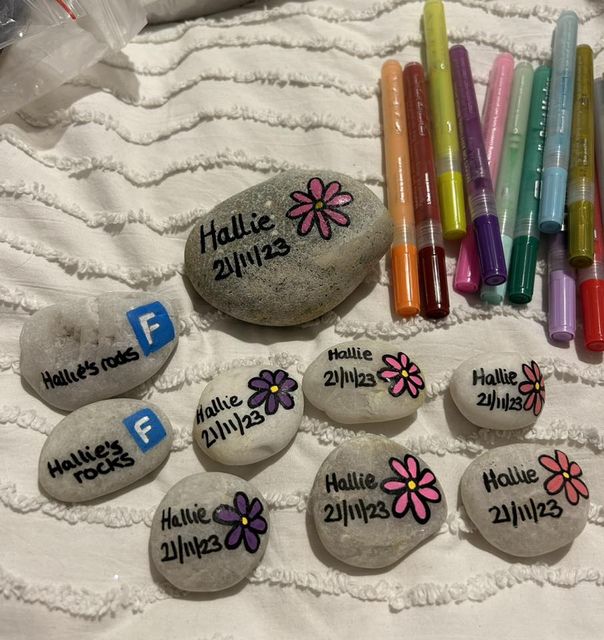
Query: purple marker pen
[[562, 311], [476, 174]]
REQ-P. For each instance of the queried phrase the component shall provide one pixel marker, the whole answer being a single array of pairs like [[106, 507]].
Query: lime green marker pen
[[521, 281], [444, 123], [581, 172]]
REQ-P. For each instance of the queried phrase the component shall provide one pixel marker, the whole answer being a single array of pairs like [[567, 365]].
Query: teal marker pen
[[510, 169], [526, 235]]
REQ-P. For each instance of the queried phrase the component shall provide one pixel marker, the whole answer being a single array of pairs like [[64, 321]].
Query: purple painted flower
[[245, 521], [320, 206], [272, 388]]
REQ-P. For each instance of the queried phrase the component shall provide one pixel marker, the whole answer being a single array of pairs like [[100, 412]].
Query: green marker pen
[[510, 169], [526, 235]]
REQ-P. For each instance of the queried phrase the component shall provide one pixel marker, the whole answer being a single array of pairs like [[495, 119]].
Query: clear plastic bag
[[42, 61]]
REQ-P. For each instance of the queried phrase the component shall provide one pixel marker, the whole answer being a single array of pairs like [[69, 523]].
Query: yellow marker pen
[[580, 197], [444, 123]]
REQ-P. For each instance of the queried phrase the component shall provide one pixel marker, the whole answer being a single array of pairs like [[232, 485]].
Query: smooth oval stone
[[85, 350], [289, 249], [526, 499], [365, 381], [373, 501], [209, 532], [103, 447], [249, 414], [499, 390]]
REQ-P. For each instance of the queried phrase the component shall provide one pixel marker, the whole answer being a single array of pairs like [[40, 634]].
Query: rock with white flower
[[209, 532], [373, 501], [365, 381], [499, 390], [527, 499], [289, 249], [88, 349], [103, 447], [246, 415]]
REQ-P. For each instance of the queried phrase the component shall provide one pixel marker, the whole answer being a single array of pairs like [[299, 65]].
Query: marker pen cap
[[581, 234], [562, 315], [496, 294], [433, 280], [452, 210], [592, 305], [521, 280], [467, 272], [490, 249], [405, 282], [553, 199]]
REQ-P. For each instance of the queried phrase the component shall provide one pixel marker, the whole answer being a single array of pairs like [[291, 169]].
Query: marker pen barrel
[[467, 270], [444, 124], [477, 178], [558, 130], [431, 252], [562, 311], [521, 280]]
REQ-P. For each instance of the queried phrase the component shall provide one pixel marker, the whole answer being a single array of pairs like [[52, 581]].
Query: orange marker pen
[[405, 282]]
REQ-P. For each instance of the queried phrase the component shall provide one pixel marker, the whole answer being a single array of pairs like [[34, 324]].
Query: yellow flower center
[[244, 521], [537, 386], [405, 374], [565, 475], [319, 204], [411, 485], [274, 388]]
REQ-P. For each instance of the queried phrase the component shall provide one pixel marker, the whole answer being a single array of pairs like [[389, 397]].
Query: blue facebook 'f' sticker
[[152, 326], [146, 429]]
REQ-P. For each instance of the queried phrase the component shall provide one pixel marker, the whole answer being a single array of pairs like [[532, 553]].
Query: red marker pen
[[428, 230]]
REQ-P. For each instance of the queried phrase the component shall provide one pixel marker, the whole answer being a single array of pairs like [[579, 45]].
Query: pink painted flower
[[413, 488], [320, 206], [402, 374], [533, 388], [565, 475]]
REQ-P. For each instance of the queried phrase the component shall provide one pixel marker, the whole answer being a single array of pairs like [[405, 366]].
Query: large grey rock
[[103, 447], [373, 502], [365, 381], [246, 415], [289, 249], [499, 390], [526, 499], [209, 532], [88, 349]]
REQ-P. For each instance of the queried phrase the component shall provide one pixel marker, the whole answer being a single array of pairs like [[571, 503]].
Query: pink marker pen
[[467, 272]]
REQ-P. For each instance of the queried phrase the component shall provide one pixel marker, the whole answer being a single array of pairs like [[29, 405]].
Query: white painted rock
[[365, 381], [209, 532], [246, 415], [526, 499], [288, 249], [373, 501], [499, 390], [103, 447], [78, 352]]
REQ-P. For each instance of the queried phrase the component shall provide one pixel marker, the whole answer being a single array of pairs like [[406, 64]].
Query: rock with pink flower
[[365, 381], [289, 249], [248, 414], [499, 390], [373, 501], [527, 499], [209, 532]]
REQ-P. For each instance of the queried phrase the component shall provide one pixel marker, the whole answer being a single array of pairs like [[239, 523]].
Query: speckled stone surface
[[103, 447], [499, 390], [289, 249], [246, 415], [526, 499], [209, 532], [90, 349], [373, 501], [365, 381]]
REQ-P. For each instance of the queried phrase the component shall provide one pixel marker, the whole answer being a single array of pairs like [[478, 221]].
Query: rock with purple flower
[[209, 532], [247, 414]]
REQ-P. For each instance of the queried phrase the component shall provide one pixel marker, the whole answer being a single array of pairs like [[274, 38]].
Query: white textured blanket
[[100, 183]]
